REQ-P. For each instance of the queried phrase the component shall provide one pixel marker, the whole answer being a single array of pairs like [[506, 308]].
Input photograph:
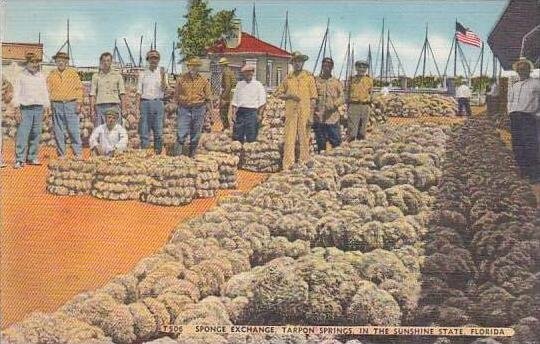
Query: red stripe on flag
[[469, 38]]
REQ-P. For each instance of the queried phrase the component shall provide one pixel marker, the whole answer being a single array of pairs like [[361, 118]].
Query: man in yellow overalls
[[228, 82], [359, 102], [300, 94]]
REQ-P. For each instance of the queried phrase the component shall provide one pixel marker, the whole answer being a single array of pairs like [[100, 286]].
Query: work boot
[[34, 162], [185, 150], [192, 149]]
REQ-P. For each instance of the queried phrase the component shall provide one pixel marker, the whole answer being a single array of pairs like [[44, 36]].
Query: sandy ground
[[53, 247]]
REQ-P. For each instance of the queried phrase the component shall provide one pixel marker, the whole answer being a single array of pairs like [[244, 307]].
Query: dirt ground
[[53, 247]]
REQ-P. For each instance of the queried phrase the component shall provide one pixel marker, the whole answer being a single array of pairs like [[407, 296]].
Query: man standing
[[248, 105], [331, 97], [359, 102], [31, 95], [110, 138], [107, 90], [151, 86], [194, 97], [463, 96], [228, 82], [300, 94], [66, 93], [523, 108]]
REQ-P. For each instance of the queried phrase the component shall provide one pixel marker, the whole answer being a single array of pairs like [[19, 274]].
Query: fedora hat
[[523, 61], [61, 55], [247, 68], [32, 57], [152, 53], [223, 61], [299, 56], [361, 63]]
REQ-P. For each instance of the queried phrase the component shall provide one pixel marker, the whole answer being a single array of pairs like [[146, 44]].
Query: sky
[[94, 25]]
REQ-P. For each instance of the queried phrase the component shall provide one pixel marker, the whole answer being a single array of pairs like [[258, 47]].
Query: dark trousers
[[464, 104], [326, 133], [492, 105], [245, 127], [525, 143], [189, 121]]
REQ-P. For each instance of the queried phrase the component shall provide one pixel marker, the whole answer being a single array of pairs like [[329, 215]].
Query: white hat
[[247, 68]]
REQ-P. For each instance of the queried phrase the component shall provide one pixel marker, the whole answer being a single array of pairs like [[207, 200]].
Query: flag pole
[[482, 60], [455, 50]]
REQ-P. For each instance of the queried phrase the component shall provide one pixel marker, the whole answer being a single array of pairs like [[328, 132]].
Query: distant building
[[16, 52], [271, 62]]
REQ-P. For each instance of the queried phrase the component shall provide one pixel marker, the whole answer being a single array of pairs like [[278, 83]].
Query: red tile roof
[[17, 51], [250, 45]]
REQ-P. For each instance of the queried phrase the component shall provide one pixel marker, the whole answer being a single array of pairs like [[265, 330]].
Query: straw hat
[[194, 61], [361, 63], [247, 68], [111, 112], [152, 53], [299, 56], [61, 55], [223, 61], [523, 61], [32, 57]]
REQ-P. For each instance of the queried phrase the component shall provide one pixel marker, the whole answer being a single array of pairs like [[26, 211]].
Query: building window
[[279, 75], [269, 73]]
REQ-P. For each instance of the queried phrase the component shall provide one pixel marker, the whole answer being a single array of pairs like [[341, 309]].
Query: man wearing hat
[[194, 97], [300, 94], [107, 90], [359, 102], [66, 94], [228, 82], [330, 98], [109, 138], [248, 104], [463, 96], [31, 95], [524, 111], [151, 87]]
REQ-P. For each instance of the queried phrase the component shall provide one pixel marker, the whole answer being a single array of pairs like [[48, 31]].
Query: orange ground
[[53, 247]]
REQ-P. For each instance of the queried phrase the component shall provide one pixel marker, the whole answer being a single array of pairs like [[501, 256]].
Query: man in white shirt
[[31, 95], [110, 138], [248, 103], [463, 96], [524, 110], [151, 86]]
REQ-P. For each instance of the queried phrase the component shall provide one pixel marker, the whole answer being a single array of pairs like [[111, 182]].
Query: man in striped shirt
[[66, 93]]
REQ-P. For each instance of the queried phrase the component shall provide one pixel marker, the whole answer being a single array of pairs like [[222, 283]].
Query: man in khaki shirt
[[193, 95], [66, 94], [107, 91], [228, 82], [300, 93], [330, 98], [359, 97]]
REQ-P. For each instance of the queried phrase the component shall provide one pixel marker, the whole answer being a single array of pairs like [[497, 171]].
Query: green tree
[[203, 28]]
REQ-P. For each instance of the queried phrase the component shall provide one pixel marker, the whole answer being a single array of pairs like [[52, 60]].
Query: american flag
[[466, 36]]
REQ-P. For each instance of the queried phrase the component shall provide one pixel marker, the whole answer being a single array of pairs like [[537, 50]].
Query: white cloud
[[309, 41]]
